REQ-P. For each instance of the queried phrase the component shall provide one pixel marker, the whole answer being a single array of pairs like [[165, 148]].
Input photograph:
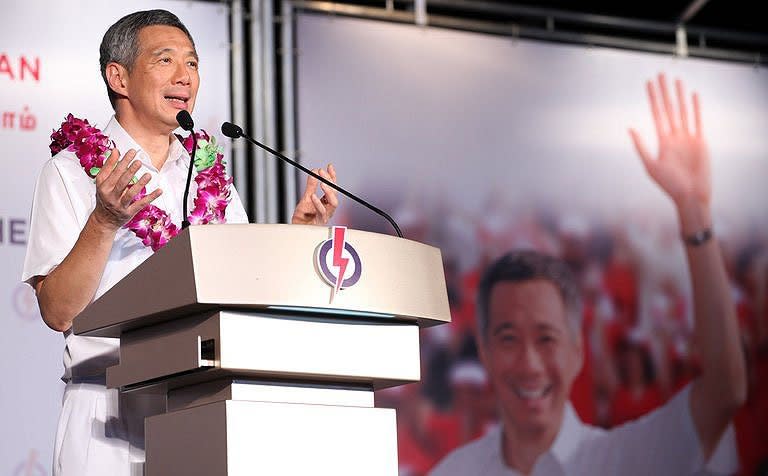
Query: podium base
[[239, 438]]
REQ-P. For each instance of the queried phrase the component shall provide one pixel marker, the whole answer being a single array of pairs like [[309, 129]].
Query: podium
[[267, 362]]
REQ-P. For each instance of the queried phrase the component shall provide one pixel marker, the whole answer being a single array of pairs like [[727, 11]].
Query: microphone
[[185, 122], [234, 131], [231, 130]]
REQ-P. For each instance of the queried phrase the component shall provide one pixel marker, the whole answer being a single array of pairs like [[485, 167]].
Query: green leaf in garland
[[206, 153]]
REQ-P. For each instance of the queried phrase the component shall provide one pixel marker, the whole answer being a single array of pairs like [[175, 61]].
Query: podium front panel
[[379, 353], [241, 438]]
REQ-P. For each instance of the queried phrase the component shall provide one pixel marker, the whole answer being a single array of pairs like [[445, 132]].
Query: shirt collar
[[568, 438], [124, 142], [566, 442]]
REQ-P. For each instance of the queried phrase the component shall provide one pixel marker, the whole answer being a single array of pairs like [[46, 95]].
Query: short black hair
[[528, 265], [121, 41]]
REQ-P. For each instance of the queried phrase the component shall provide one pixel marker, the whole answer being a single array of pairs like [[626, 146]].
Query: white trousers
[[101, 432]]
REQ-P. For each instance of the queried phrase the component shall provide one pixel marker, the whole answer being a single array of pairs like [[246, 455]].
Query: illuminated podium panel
[[245, 438], [268, 363]]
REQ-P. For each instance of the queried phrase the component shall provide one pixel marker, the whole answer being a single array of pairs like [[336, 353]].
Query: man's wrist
[[101, 225], [698, 238], [695, 218]]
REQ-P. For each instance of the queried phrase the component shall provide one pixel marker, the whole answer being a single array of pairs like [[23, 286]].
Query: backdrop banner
[[481, 144]]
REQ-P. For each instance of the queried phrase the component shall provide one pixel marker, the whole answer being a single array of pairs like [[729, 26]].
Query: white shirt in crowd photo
[[662, 443]]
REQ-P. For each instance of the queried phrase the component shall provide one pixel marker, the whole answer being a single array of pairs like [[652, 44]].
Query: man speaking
[[103, 203]]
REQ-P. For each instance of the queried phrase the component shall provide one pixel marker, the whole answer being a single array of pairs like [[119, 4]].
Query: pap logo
[[338, 261], [24, 302], [30, 467]]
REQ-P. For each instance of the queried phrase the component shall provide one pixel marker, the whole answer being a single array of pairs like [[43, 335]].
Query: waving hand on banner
[[681, 167]]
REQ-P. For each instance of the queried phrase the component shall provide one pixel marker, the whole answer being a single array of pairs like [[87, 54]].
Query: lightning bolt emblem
[[339, 262]]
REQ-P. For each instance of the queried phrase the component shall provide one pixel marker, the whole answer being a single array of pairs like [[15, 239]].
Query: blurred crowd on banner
[[637, 323]]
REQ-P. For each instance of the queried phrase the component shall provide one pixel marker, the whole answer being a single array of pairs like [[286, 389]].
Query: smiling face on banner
[[531, 354]]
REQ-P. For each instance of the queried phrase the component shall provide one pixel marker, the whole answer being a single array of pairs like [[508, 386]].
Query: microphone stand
[[185, 122], [234, 131], [185, 221]]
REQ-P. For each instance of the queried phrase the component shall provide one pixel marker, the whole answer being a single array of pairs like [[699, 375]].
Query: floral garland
[[152, 225]]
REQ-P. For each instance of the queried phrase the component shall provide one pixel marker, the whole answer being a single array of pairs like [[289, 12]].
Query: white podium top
[[277, 267]]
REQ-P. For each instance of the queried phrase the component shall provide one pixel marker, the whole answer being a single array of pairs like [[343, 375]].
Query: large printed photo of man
[[484, 145]]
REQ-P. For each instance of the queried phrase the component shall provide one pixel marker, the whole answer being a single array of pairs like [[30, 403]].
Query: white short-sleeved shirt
[[662, 443], [65, 197]]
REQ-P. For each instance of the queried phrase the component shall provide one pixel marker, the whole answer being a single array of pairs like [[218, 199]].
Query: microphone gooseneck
[[234, 131], [185, 122]]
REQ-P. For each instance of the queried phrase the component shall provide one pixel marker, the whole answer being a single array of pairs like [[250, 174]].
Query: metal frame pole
[[263, 114], [258, 174], [239, 152], [287, 58], [573, 35], [269, 105]]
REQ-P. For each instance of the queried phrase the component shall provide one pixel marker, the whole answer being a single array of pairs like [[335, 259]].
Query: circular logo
[[349, 262], [25, 302]]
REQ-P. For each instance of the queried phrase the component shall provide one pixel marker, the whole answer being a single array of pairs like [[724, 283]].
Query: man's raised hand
[[117, 200], [311, 209], [681, 166]]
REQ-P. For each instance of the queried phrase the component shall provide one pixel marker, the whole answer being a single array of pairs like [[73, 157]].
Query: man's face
[[530, 353], [164, 78]]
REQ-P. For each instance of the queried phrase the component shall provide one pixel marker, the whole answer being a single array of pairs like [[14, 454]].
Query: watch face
[[698, 238]]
